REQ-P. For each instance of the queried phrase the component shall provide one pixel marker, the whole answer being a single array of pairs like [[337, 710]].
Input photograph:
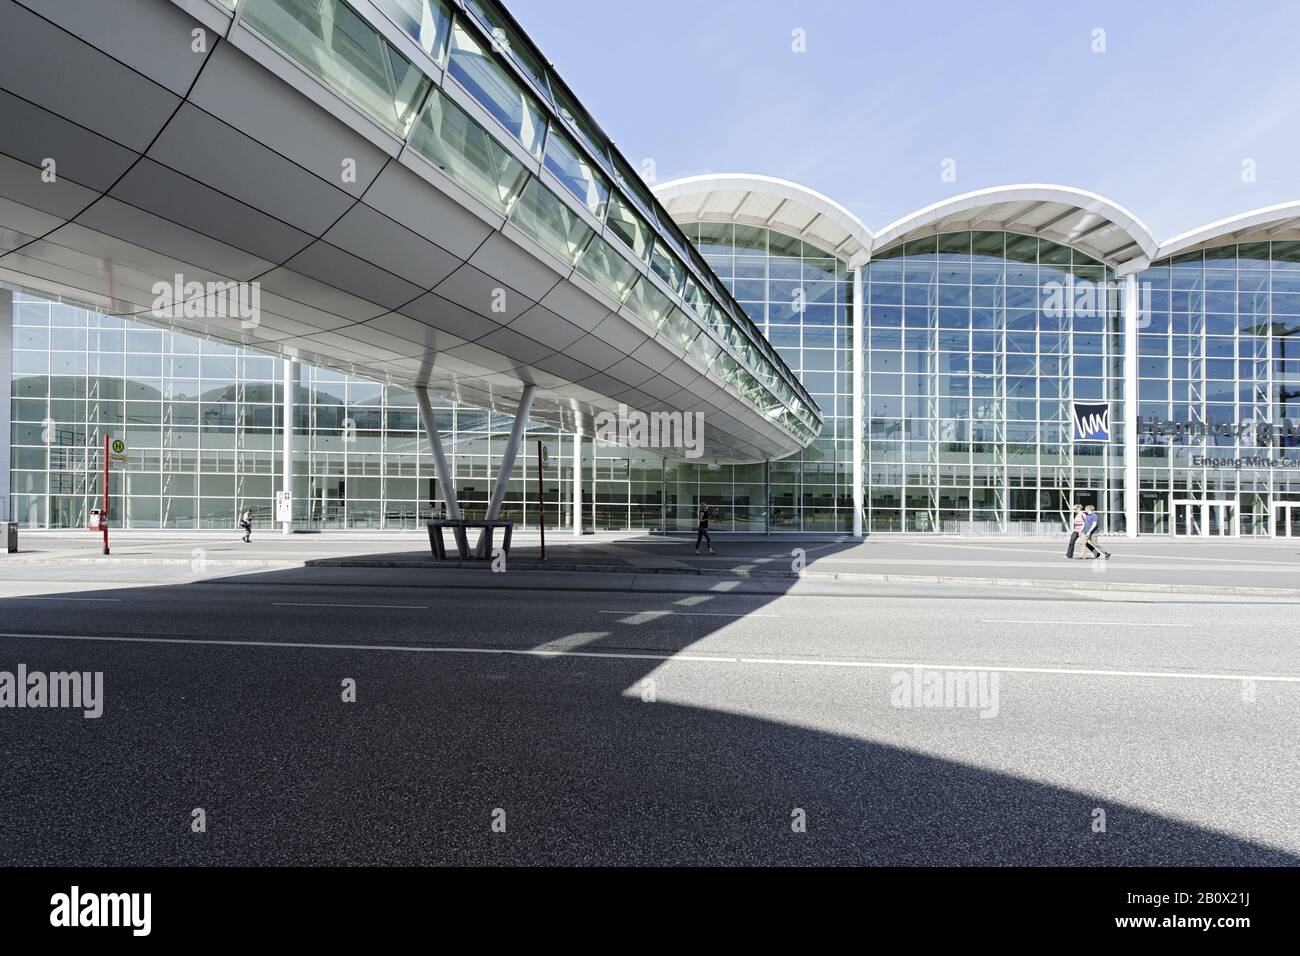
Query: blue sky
[[1161, 122]]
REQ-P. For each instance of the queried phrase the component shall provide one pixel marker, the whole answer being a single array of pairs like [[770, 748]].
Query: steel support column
[[511, 451], [287, 405], [508, 456], [577, 480], [1132, 318], [6, 398], [445, 478], [859, 354]]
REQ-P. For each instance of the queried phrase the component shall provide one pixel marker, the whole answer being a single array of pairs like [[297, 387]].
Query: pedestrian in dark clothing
[[702, 530], [246, 522]]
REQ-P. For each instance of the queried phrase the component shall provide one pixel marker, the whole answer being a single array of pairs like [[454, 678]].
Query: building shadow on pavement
[[585, 770]]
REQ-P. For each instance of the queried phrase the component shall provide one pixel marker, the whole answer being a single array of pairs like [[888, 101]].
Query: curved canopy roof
[[1271, 222], [764, 201], [1083, 220], [1074, 217]]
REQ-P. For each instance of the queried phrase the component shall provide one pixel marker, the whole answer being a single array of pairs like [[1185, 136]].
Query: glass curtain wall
[[1219, 348], [800, 297], [202, 426], [972, 365], [977, 345], [199, 420]]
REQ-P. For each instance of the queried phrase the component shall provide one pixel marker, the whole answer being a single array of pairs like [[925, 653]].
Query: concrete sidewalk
[[1165, 565], [1259, 567]]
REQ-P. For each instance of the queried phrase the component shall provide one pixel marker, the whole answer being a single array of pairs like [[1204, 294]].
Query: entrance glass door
[[1207, 519], [1287, 521]]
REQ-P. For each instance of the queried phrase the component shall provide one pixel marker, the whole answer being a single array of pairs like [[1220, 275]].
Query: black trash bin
[[11, 537]]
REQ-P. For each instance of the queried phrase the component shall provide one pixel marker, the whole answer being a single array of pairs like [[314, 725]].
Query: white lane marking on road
[[53, 597], [667, 658], [1069, 671], [410, 607], [662, 613], [1090, 623], [571, 641], [507, 651]]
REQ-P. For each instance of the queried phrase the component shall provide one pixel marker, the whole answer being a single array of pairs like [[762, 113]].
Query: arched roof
[[1074, 217], [1083, 220], [1271, 222], [765, 201]]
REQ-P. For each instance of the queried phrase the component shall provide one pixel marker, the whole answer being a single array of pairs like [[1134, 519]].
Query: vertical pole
[[577, 479], [287, 400], [663, 495], [104, 519], [6, 397], [859, 500], [541, 501], [767, 496], [1132, 316]]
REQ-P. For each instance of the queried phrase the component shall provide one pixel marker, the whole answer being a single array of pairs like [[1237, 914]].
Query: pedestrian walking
[[702, 530], [1091, 524], [1076, 529], [246, 522]]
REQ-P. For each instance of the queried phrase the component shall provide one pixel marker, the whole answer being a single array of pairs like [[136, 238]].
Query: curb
[[545, 566], [128, 561], [844, 576], [848, 577]]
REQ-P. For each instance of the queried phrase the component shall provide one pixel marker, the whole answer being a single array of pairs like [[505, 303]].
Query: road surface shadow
[[439, 747]]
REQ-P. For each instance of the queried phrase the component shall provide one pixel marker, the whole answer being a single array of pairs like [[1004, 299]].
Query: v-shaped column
[[508, 456], [445, 481]]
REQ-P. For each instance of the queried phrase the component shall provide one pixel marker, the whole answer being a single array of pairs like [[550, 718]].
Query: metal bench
[[459, 529]]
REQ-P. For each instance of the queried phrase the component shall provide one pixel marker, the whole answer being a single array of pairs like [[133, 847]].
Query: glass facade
[[800, 296], [202, 424], [334, 43], [1218, 350], [977, 346]]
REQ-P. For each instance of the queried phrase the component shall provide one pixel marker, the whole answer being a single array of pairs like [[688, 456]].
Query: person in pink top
[[1076, 529], [1077, 532]]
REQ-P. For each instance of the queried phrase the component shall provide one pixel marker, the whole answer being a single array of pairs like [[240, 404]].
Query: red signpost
[[541, 502], [103, 515]]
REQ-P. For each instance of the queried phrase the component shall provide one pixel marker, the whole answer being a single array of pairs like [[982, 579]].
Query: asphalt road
[[631, 728]]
